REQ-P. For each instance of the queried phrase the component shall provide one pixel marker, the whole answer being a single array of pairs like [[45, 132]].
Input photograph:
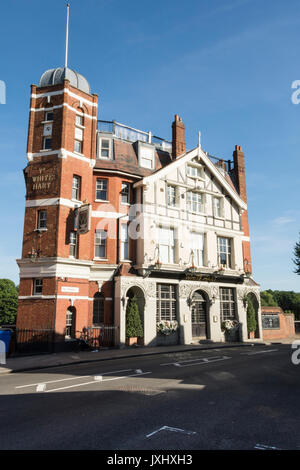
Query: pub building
[[114, 212]]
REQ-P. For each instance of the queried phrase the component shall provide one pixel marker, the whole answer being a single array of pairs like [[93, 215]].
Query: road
[[235, 398]]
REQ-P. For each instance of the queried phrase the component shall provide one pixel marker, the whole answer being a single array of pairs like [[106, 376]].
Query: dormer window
[[146, 155], [104, 148]]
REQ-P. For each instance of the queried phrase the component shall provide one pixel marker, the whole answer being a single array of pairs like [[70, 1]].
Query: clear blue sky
[[225, 67]]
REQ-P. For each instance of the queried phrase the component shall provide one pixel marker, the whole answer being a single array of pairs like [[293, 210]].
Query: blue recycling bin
[[5, 336]]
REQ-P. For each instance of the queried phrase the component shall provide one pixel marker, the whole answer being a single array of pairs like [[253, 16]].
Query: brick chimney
[[178, 137], [240, 181], [221, 164]]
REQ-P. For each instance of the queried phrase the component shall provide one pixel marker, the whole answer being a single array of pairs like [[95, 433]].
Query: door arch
[[199, 314], [137, 292], [71, 322]]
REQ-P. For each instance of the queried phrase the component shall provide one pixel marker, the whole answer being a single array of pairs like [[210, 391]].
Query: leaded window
[[166, 302], [227, 304]]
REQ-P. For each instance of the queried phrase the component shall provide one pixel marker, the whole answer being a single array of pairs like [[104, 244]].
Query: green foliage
[[133, 320], [251, 317], [296, 260], [267, 299], [8, 302], [287, 300]]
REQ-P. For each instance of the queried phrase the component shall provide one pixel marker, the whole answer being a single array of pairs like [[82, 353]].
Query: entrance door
[[70, 322], [199, 316]]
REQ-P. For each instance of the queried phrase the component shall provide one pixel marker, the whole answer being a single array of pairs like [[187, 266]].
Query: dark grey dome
[[57, 76]]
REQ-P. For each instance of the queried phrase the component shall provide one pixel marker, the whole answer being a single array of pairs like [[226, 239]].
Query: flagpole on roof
[[67, 37]]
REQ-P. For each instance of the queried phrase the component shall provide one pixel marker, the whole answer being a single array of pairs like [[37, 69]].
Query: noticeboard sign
[[270, 321]]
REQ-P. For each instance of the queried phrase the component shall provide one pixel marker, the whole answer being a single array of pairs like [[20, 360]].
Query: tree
[[134, 327], [296, 260], [251, 317], [8, 302], [267, 299]]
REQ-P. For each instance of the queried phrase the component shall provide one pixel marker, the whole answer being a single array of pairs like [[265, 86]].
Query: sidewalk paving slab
[[44, 361]]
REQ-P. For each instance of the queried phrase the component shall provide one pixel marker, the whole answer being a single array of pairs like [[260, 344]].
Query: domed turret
[[58, 75]]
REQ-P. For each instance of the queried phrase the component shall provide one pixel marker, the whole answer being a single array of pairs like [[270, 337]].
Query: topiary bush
[[134, 328], [251, 317]]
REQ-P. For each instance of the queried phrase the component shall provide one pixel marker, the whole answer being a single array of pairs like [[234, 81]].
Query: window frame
[[124, 243], [199, 207], [41, 219], [78, 189], [228, 299], [46, 116], [125, 193], [102, 190], [35, 286], [171, 198], [170, 248], [97, 301], [73, 244], [221, 209], [100, 148], [101, 244], [228, 252], [199, 253], [49, 146], [166, 305]]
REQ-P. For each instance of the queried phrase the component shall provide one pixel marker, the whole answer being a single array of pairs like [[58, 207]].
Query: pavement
[[44, 361]]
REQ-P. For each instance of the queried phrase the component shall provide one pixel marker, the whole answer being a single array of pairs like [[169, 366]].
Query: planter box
[[167, 340], [232, 336], [131, 341]]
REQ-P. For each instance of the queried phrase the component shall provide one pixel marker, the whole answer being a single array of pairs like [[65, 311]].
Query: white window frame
[[217, 215], [73, 244], [196, 202], [225, 248], [42, 220], [38, 286], [125, 193], [167, 244], [46, 116], [124, 242], [100, 240], [198, 250], [194, 171], [227, 304], [100, 148], [45, 147], [98, 181], [171, 198], [77, 188]]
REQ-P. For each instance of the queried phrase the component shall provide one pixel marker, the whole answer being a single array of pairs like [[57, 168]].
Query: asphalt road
[[238, 398]]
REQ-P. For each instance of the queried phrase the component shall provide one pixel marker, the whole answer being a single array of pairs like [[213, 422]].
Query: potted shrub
[[167, 332], [231, 330], [251, 319], [134, 328]]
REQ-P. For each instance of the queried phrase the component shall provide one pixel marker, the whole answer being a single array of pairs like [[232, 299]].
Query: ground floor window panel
[[227, 303], [166, 308]]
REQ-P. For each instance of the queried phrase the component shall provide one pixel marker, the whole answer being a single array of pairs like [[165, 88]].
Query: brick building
[[112, 212]]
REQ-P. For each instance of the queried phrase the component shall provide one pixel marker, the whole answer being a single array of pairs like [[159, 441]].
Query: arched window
[[98, 309]]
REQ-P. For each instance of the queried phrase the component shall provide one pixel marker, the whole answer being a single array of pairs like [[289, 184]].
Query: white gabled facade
[[190, 245]]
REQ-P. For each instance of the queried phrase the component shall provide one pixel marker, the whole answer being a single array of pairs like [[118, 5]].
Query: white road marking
[[258, 352], [264, 447], [197, 361], [89, 383], [168, 428], [73, 378], [41, 388], [98, 378]]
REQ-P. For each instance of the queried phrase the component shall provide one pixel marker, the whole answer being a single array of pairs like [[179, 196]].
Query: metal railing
[[34, 341], [99, 336], [131, 134]]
